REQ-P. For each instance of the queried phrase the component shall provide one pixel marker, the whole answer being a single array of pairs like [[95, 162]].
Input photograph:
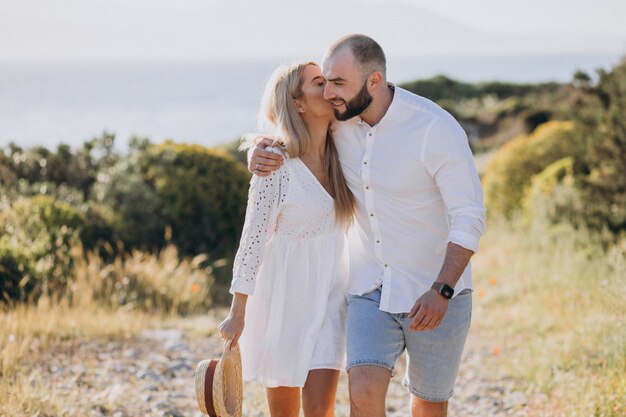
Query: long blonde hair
[[279, 111]]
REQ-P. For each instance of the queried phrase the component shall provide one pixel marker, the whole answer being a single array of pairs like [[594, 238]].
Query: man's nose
[[328, 92]]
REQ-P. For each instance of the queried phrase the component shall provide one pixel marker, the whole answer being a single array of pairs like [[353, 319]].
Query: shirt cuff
[[242, 287], [464, 239]]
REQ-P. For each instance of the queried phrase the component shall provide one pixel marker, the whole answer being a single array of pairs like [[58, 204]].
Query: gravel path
[[151, 375]]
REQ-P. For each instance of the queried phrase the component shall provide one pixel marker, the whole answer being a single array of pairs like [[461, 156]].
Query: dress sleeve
[[264, 199]]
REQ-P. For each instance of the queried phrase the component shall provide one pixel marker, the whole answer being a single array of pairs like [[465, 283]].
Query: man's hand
[[262, 162], [428, 311]]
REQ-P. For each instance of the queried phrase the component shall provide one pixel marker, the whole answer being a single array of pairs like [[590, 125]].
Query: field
[[547, 339]]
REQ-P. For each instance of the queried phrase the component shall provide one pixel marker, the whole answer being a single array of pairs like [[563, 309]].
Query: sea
[[204, 102]]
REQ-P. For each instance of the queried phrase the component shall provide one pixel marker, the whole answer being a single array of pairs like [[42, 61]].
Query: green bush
[[130, 204], [601, 124], [202, 194], [42, 230], [76, 169], [511, 169], [553, 196], [16, 280]]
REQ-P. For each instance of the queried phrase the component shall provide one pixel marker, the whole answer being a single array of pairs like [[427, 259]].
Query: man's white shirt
[[416, 186]]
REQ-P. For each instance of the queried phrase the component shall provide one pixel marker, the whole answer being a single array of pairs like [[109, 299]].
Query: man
[[419, 217]]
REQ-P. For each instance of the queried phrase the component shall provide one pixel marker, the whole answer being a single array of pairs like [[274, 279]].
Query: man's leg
[[423, 408], [375, 340], [368, 385], [434, 357]]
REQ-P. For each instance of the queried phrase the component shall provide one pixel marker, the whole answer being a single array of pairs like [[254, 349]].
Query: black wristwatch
[[445, 290]]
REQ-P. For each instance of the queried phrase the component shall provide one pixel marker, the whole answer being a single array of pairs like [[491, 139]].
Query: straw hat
[[219, 389]]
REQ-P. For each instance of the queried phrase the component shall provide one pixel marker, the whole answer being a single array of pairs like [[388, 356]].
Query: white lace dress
[[293, 264]]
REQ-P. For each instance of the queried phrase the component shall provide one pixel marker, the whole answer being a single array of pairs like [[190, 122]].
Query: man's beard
[[355, 106]]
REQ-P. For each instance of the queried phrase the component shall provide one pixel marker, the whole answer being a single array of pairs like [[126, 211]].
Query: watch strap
[[444, 290]]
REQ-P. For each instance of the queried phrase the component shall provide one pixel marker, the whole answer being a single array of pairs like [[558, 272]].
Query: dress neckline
[[315, 179]]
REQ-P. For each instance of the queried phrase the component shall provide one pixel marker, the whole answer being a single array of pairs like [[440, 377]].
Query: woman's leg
[[283, 401], [318, 394]]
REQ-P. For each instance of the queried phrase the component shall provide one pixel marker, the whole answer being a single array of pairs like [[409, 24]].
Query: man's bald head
[[366, 51]]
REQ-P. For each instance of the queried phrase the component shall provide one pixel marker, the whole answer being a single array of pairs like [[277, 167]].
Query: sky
[[216, 29]]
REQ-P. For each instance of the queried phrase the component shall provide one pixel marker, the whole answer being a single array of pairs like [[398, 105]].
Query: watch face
[[447, 292]]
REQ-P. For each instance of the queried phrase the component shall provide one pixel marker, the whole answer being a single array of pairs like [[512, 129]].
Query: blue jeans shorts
[[376, 337]]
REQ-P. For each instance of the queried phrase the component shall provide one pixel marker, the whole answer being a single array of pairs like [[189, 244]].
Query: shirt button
[[367, 188], [378, 241], [364, 162], [371, 214], [386, 266], [369, 134]]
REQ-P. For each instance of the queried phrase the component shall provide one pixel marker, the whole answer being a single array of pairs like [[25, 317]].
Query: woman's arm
[[264, 199], [232, 326]]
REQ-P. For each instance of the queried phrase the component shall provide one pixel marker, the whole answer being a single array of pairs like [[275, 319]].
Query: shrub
[[42, 231], [131, 205], [16, 281], [602, 125], [511, 169], [202, 194], [72, 168], [553, 196]]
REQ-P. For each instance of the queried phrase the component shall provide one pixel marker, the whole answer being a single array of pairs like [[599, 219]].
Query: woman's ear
[[299, 106]]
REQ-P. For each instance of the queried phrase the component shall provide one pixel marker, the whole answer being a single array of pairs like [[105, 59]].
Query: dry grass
[[28, 330], [550, 306], [134, 292]]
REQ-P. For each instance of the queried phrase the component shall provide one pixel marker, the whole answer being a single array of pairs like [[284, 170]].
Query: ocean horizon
[[205, 102]]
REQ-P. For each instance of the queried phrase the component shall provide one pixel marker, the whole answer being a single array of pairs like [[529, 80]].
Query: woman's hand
[[231, 328]]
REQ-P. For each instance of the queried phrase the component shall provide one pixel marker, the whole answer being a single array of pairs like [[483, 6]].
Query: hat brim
[[205, 372], [219, 386]]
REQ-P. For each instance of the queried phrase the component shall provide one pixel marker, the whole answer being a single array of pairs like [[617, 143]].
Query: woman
[[289, 278]]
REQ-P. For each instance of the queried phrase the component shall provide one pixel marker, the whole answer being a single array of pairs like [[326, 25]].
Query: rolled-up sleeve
[[448, 159]]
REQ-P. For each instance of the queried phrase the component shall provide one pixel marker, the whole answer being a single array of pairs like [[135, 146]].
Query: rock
[[162, 335], [157, 358], [131, 353], [173, 345], [172, 413], [97, 411], [77, 369], [147, 387], [161, 405], [115, 393], [146, 374], [178, 367]]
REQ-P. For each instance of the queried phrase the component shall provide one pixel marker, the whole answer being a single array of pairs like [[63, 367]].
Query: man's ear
[[375, 80]]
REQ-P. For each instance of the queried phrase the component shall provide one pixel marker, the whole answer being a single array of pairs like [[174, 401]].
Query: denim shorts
[[376, 337]]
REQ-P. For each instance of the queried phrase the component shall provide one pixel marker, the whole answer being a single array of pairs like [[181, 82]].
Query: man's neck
[[377, 110]]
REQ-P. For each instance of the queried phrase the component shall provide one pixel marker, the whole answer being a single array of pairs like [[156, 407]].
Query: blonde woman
[[290, 278]]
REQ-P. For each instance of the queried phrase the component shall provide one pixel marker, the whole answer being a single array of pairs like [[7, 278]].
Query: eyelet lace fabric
[[293, 264]]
